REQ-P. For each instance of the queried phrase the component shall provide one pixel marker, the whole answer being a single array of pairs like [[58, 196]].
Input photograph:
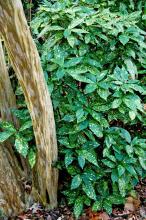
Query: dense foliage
[[94, 58], [22, 137]]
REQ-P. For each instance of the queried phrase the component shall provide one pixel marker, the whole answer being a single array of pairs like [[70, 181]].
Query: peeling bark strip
[[7, 100], [26, 63], [7, 97], [11, 191]]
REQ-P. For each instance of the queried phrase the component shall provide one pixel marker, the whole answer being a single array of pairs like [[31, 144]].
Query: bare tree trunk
[[11, 190], [26, 63], [8, 102]]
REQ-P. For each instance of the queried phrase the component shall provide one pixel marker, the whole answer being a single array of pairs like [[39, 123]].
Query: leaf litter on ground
[[134, 209]]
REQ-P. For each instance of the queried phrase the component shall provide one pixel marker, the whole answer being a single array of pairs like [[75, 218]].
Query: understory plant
[[22, 138], [93, 55]]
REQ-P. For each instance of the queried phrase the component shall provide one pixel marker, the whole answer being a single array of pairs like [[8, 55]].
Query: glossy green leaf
[[121, 170], [5, 135], [89, 190], [123, 39], [21, 146], [81, 161], [108, 163], [103, 93], [122, 186], [73, 62], [89, 175], [116, 199], [90, 156], [32, 158], [76, 181], [131, 67], [114, 175], [125, 134], [26, 125], [96, 129], [7, 126], [80, 78], [90, 88], [60, 73], [76, 22], [142, 162], [97, 206], [132, 115], [129, 149], [68, 159], [107, 205], [71, 40], [131, 170], [116, 103], [79, 114], [78, 207]]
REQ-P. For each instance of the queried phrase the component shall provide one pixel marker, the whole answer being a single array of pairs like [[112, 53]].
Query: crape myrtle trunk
[[11, 197], [26, 63]]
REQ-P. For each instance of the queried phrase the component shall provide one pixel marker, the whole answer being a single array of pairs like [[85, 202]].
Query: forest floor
[[134, 209]]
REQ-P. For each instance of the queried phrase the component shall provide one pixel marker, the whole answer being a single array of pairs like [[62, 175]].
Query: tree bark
[[11, 196], [26, 63], [11, 190], [8, 102], [7, 97]]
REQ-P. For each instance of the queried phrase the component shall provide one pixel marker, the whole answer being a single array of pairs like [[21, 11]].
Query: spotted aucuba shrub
[[93, 54], [22, 138]]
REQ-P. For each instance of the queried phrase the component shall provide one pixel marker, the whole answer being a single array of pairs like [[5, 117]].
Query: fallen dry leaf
[[96, 215], [132, 204], [104, 216]]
